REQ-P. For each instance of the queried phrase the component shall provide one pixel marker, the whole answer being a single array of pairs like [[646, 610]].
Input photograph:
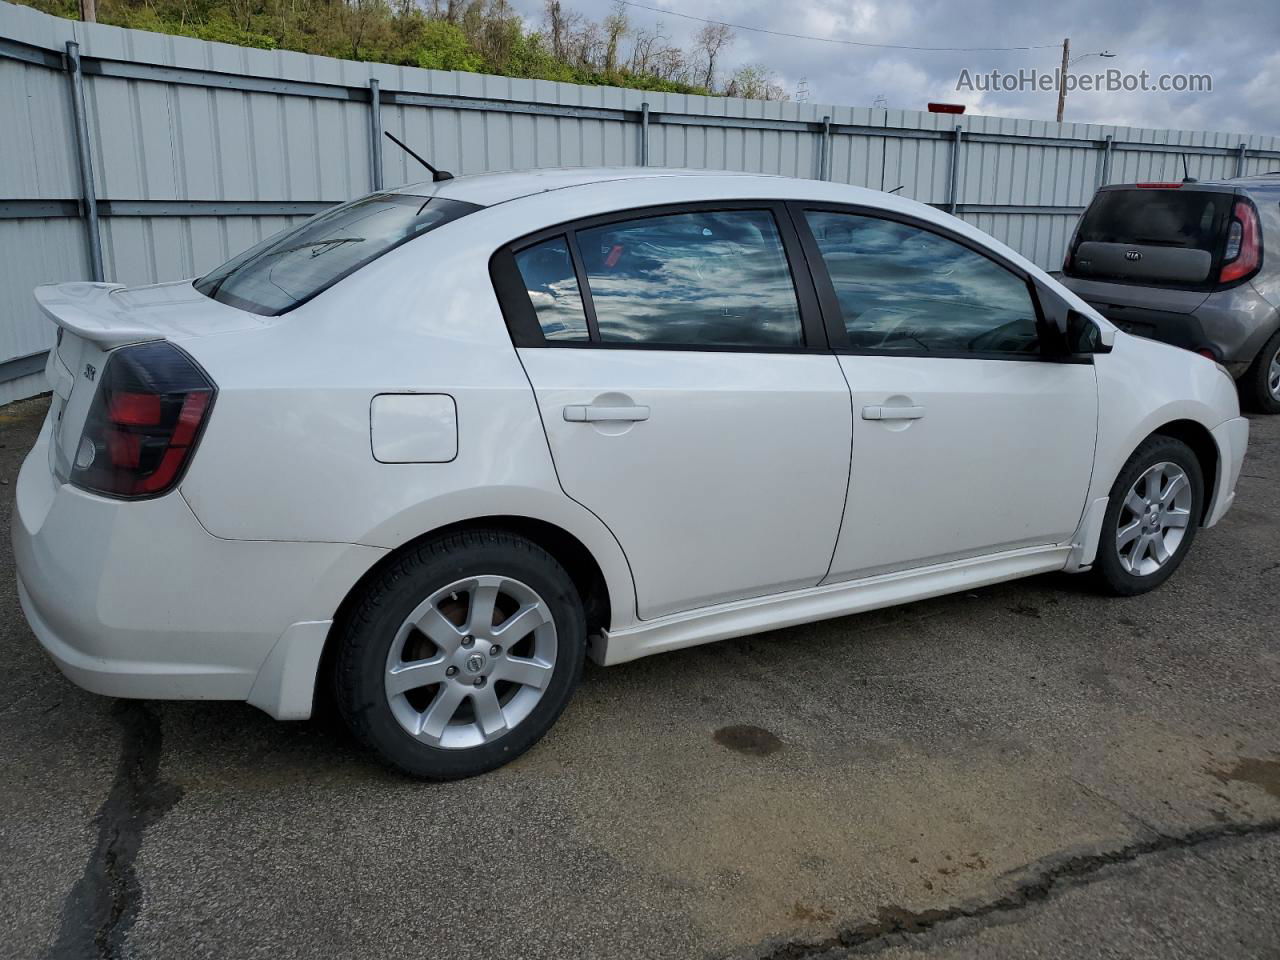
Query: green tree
[[470, 35], [443, 46]]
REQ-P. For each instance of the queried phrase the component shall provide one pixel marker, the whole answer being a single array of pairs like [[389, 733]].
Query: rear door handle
[[593, 413], [892, 413]]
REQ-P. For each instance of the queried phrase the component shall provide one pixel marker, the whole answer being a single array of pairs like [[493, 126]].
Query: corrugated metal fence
[[195, 150]]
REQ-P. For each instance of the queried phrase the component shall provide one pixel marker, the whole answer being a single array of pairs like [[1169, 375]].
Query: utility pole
[[1062, 77], [89, 11]]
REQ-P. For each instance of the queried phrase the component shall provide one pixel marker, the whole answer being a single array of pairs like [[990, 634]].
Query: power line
[[848, 43]]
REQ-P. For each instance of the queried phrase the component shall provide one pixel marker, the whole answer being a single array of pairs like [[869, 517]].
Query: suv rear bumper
[[136, 599], [1179, 329], [1233, 323]]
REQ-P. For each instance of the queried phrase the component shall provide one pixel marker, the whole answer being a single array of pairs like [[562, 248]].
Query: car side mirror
[[1065, 331], [1085, 336]]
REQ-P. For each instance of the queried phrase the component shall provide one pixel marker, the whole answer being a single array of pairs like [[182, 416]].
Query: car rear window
[[1190, 219], [293, 266]]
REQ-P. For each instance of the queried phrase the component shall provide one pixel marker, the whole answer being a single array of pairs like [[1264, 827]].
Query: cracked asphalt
[[1029, 770]]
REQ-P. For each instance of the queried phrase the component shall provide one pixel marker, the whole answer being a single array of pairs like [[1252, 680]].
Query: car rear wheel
[[1260, 386], [1152, 517], [461, 655]]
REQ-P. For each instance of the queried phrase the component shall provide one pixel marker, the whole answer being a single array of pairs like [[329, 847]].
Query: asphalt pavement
[[1027, 770]]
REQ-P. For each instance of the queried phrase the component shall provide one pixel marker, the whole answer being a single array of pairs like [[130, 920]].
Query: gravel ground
[[1026, 770]]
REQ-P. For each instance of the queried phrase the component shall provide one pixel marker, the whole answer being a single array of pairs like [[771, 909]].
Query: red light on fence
[[946, 108]]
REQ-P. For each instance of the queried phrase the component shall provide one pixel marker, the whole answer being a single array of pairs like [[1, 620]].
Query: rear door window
[[698, 279], [293, 266]]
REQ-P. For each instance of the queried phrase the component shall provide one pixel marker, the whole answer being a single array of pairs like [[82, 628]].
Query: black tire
[[1255, 390], [1109, 570], [367, 633]]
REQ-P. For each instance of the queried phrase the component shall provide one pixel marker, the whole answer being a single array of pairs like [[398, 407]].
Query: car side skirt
[[744, 617]]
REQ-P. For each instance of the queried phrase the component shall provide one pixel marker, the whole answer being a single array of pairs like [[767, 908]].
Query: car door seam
[[542, 423], [848, 479]]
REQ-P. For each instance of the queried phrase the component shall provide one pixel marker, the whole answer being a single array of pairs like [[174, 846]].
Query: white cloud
[[1234, 41]]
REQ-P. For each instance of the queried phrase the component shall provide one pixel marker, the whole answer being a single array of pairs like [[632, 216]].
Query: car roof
[[1191, 186], [584, 183], [1267, 183], [487, 189], [1258, 183]]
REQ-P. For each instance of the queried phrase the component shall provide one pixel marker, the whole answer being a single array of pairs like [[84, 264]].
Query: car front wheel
[[1152, 517], [461, 654]]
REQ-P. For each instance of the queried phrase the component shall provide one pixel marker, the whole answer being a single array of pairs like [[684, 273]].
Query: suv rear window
[[293, 266], [1190, 219]]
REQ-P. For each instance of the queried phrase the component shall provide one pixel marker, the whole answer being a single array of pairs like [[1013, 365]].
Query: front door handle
[[892, 413], [595, 413]]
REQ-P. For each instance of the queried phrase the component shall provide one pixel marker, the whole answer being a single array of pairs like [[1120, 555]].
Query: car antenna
[[1186, 174], [436, 175], [897, 188]]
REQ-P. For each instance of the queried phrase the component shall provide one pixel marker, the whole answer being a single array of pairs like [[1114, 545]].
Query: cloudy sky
[[1237, 42]]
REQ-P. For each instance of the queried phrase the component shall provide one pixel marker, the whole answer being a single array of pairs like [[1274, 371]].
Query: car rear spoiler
[[88, 311]]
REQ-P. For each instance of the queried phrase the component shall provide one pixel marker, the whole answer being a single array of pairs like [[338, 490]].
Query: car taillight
[[1244, 244], [144, 422]]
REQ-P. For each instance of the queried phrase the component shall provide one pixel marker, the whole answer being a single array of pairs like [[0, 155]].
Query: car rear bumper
[[136, 599]]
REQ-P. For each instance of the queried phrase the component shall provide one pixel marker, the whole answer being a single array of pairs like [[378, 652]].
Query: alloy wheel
[[1154, 519], [1273, 376], [471, 662]]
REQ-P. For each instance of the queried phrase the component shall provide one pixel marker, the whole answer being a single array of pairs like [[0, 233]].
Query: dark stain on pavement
[[104, 902], [893, 923], [744, 738], [803, 913], [1260, 773]]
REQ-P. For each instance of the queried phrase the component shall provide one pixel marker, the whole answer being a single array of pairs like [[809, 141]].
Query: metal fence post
[[88, 194], [1105, 178], [644, 134], [1240, 160], [954, 189], [375, 133], [824, 162]]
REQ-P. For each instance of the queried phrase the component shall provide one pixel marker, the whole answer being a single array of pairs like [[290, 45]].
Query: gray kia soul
[[1184, 263]]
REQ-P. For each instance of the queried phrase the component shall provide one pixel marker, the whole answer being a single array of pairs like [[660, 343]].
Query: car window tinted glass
[[1191, 219], [905, 289], [713, 279], [296, 264], [547, 272]]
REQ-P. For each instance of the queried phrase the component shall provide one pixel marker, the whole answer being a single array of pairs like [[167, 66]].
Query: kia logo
[[1132, 255]]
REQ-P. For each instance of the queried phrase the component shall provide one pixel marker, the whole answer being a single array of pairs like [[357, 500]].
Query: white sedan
[[435, 446]]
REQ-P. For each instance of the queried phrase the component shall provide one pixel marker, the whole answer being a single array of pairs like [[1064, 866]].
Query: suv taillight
[[144, 422], [1243, 254]]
